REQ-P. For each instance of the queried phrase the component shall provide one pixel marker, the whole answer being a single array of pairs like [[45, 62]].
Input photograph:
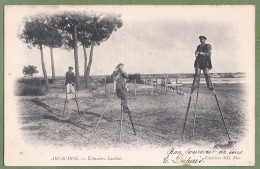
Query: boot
[[75, 97], [125, 107], [209, 83], [67, 97]]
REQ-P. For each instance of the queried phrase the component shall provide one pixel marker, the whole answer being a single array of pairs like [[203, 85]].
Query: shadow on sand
[[67, 121], [43, 105]]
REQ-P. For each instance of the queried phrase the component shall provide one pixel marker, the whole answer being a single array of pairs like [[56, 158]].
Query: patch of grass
[[30, 81], [29, 90], [158, 118]]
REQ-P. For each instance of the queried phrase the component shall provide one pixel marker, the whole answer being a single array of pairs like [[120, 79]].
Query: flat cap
[[202, 37]]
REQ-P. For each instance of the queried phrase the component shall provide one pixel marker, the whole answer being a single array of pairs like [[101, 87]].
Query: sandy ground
[[158, 118]]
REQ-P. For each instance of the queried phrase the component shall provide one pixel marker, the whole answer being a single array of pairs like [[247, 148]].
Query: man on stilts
[[70, 89], [202, 62], [119, 76], [70, 83]]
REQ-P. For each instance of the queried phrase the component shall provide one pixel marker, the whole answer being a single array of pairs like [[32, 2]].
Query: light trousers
[[70, 89]]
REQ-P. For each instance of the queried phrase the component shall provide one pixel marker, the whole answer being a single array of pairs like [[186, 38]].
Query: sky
[[152, 40]]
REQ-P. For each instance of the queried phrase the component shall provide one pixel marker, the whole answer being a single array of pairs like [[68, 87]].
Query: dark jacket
[[120, 77], [70, 78], [203, 60]]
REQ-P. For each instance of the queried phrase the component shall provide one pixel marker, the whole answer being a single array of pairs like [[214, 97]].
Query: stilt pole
[[187, 112], [221, 114], [121, 122], [194, 119]]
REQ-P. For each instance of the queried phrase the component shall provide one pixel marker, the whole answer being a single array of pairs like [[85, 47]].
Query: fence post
[[176, 85], [105, 86], [161, 85], [135, 87], [165, 81], [166, 87]]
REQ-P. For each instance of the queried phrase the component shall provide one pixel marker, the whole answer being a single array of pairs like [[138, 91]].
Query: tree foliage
[[67, 29], [36, 32], [99, 28], [91, 26], [30, 70], [104, 25]]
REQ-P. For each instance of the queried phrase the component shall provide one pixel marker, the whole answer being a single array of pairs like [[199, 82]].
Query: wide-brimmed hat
[[202, 37], [120, 64], [70, 67]]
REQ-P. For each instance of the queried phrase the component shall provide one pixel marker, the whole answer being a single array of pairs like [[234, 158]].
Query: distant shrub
[[26, 90], [136, 76], [34, 81], [109, 79], [131, 78]]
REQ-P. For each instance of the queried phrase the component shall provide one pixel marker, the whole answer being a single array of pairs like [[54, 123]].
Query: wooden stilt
[[66, 100], [194, 119], [187, 112], [121, 122]]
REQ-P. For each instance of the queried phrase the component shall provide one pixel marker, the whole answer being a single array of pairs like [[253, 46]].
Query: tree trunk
[[85, 65], [76, 57], [44, 71], [89, 62], [52, 65]]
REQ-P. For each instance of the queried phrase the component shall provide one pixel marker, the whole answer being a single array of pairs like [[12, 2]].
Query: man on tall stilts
[[70, 89], [119, 76], [202, 62], [70, 84]]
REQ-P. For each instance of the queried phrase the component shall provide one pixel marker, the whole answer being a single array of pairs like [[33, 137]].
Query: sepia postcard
[[129, 85]]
